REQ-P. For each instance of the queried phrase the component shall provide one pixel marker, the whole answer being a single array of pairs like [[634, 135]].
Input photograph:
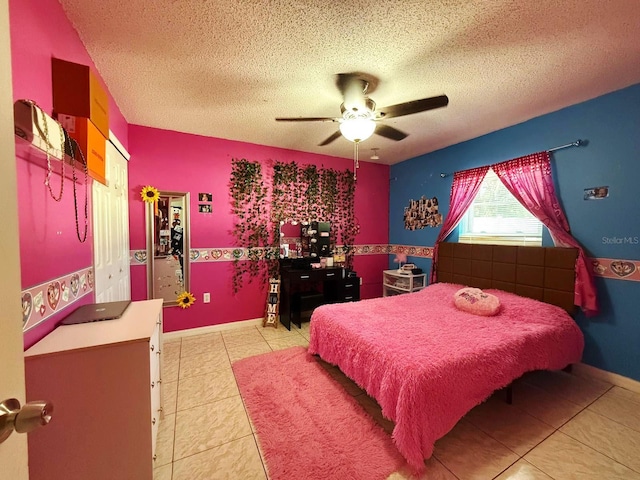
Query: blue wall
[[611, 124]]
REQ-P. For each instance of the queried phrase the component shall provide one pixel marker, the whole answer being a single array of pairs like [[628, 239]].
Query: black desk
[[306, 289]]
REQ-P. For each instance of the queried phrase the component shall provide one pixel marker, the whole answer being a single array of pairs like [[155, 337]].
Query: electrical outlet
[[206, 298]]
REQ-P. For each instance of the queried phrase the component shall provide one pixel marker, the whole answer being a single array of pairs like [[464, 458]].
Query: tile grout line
[[246, 412], [557, 430], [179, 360], [584, 408], [597, 451], [609, 418], [211, 448], [217, 446], [175, 414]]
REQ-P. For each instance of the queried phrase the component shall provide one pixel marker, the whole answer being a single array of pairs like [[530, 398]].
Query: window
[[496, 217]]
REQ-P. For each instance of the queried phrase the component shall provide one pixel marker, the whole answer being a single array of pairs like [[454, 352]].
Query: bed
[[427, 363]]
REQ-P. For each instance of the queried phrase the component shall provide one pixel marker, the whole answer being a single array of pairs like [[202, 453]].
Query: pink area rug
[[307, 425]]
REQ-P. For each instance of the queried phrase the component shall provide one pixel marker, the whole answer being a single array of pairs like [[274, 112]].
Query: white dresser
[[104, 380]]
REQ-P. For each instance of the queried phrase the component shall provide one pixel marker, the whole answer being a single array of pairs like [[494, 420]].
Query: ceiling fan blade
[[389, 132], [414, 106], [336, 135], [306, 119]]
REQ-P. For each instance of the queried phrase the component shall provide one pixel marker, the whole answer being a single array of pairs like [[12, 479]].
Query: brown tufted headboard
[[542, 273]]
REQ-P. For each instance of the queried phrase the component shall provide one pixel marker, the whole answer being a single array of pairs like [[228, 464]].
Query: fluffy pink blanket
[[428, 363]]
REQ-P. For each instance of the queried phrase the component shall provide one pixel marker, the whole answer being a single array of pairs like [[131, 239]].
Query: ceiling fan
[[360, 117]]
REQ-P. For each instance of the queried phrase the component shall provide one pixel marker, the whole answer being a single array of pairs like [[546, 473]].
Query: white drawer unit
[[104, 380], [395, 282]]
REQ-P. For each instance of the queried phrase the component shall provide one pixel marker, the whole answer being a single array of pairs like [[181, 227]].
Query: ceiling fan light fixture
[[357, 129]]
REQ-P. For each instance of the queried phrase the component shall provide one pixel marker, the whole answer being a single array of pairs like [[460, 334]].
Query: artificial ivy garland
[[249, 205], [297, 194]]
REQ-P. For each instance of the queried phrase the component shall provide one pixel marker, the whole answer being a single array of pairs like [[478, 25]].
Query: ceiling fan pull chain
[[356, 162]]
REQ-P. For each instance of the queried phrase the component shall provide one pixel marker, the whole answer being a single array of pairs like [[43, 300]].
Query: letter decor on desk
[[273, 304]]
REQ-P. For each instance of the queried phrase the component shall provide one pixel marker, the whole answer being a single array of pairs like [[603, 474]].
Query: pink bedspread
[[428, 363]]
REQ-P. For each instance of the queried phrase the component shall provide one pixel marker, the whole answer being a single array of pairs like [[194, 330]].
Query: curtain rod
[[577, 143]]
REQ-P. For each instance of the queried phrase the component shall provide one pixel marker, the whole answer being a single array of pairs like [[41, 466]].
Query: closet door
[[111, 230]]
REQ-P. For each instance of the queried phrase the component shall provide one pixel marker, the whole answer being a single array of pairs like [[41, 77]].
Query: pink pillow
[[474, 300]]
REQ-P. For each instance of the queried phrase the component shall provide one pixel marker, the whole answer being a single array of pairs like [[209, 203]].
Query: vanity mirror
[[290, 244], [305, 240], [168, 246]]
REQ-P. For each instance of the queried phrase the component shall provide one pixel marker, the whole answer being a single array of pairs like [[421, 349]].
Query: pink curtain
[[464, 189], [529, 180]]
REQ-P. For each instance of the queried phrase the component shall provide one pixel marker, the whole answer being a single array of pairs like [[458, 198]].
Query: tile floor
[[560, 426]]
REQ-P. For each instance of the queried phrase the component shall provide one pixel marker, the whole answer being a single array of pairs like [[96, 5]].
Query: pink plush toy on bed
[[474, 300]]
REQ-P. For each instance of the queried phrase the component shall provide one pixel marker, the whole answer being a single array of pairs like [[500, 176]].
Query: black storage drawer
[[344, 290], [331, 274], [349, 290], [305, 276]]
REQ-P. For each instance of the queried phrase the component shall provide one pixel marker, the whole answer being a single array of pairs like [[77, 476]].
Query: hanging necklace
[[73, 147], [48, 149]]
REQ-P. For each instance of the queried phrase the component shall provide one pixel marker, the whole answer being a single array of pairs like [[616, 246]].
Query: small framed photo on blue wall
[[596, 193]]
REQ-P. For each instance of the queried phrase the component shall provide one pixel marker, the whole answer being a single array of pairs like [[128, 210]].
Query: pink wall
[[175, 161], [49, 246], [41, 31], [168, 160]]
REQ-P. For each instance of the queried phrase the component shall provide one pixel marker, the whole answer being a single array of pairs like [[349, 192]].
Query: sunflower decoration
[[185, 300], [150, 194]]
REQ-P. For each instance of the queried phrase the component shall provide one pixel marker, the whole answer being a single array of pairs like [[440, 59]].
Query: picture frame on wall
[[596, 193]]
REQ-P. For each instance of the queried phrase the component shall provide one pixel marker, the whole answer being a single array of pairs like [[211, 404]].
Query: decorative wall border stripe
[[412, 250], [375, 249], [229, 254], [616, 268], [44, 300], [613, 268]]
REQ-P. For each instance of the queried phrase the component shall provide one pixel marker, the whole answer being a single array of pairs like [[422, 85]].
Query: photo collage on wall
[[205, 207], [422, 213]]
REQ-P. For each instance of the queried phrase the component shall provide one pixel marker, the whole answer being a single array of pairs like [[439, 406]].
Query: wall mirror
[[168, 247]]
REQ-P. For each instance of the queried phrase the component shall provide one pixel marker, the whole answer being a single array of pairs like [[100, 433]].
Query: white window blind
[[496, 217]]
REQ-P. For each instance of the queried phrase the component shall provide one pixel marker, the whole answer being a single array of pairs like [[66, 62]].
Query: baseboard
[[254, 322], [584, 370]]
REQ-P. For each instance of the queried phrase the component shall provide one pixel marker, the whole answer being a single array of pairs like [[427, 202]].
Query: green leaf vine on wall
[[310, 179], [329, 192], [348, 226], [251, 229], [297, 193]]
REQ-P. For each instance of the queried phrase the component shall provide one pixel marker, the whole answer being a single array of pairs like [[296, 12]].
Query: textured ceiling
[[227, 68]]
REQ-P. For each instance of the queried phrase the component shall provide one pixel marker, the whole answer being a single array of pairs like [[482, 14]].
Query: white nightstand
[[395, 282]]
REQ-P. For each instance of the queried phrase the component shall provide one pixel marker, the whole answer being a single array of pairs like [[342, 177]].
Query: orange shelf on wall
[[35, 152]]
